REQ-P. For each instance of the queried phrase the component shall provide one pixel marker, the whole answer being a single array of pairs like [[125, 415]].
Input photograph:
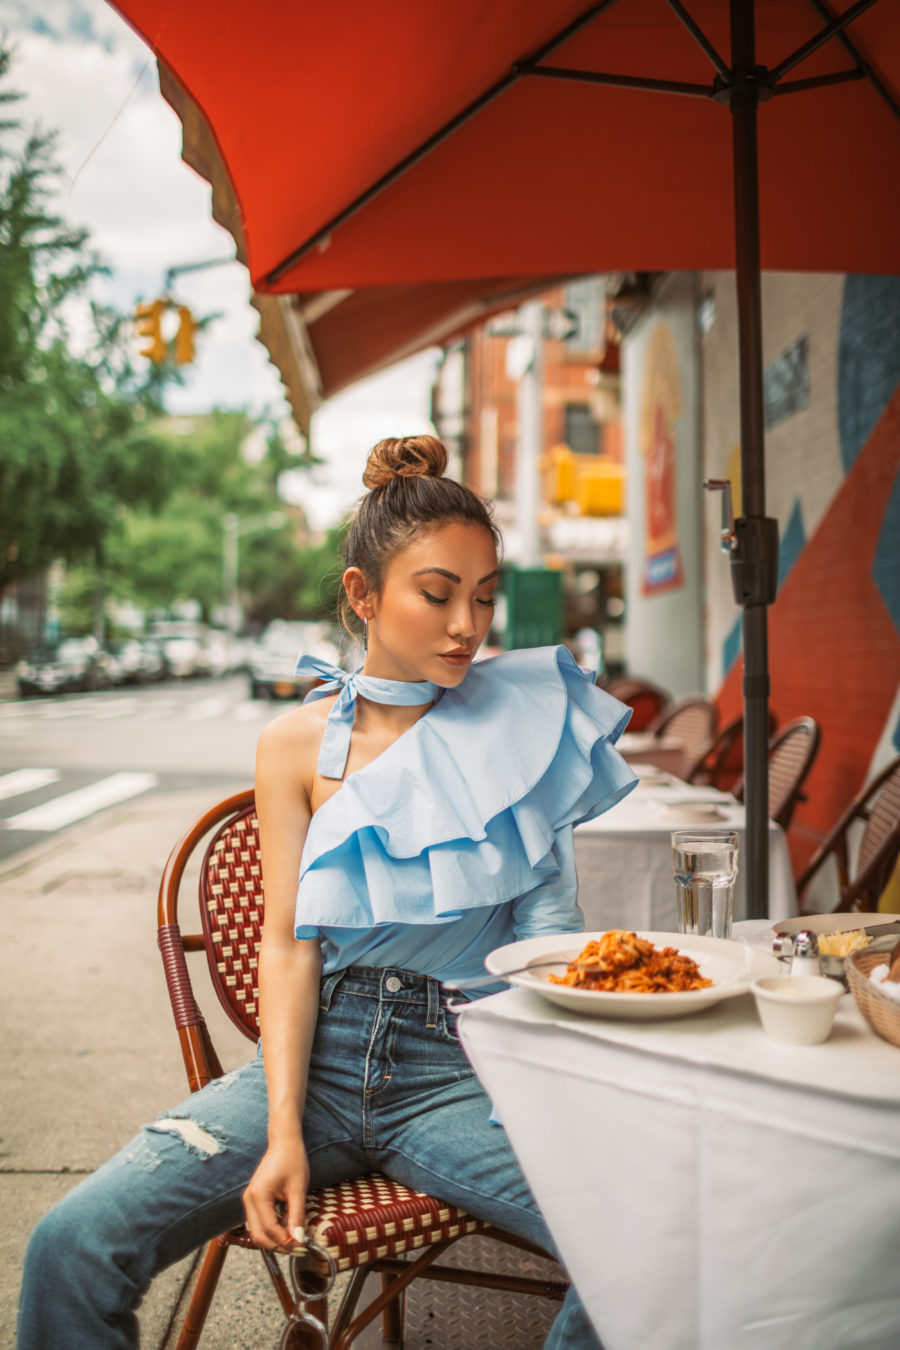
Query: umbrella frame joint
[[754, 560]]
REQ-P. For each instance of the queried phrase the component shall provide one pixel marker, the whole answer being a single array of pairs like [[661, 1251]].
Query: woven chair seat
[[371, 1217]]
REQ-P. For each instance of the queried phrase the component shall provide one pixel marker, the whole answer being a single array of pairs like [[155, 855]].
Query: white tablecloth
[[624, 859], [708, 1189]]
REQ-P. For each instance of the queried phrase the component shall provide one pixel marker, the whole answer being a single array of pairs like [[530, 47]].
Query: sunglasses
[[313, 1274]]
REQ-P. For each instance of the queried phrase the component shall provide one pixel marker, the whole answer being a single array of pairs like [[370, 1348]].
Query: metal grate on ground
[[458, 1317]]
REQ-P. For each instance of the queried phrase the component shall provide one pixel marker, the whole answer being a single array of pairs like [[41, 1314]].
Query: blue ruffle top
[[458, 837]]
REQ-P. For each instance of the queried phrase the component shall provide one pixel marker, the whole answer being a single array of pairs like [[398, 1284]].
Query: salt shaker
[[805, 960]]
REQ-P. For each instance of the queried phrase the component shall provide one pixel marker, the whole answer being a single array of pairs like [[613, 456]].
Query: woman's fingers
[[275, 1199]]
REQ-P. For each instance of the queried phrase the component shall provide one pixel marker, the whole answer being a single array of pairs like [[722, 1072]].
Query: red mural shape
[[834, 652]]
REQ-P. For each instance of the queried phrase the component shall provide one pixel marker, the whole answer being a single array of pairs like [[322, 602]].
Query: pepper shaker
[[805, 960]]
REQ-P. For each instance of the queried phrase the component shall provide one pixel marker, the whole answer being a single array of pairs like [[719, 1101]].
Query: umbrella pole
[[754, 559]]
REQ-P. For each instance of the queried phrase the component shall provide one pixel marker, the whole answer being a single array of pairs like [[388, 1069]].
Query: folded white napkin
[[879, 975]]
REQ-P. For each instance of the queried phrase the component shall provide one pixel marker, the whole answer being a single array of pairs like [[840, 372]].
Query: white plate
[[693, 813], [732, 966], [650, 776], [833, 923]]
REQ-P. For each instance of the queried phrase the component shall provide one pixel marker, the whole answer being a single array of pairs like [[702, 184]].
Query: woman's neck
[[387, 718]]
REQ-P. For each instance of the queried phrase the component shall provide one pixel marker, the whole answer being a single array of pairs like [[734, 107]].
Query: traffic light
[[184, 338], [148, 322]]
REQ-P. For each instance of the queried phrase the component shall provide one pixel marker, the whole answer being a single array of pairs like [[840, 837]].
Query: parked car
[[186, 656], [277, 651], [155, 663], [139, 661], [72, 665]]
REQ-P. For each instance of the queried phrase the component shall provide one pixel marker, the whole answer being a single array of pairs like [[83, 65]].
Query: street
[[63, 759]]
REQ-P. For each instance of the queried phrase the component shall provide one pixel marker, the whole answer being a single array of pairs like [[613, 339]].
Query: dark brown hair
[[408, 496]]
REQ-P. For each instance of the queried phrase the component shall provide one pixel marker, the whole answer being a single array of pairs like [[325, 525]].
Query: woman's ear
[[358, 592]]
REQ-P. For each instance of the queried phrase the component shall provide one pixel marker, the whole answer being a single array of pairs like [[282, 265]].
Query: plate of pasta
[[634, 976]]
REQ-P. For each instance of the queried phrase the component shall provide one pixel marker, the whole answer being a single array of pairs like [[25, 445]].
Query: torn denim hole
[[224, 1083], [142, 1156], [194, 1136]]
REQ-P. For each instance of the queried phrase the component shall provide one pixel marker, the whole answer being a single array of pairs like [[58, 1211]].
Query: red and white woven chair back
[[231, 911]]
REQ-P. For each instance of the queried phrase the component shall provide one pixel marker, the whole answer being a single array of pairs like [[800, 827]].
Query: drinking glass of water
[[705, 866]]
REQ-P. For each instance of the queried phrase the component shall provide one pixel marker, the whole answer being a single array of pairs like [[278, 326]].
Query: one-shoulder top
[[458, 837]]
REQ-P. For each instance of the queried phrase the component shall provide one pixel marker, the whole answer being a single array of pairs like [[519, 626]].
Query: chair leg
[[344, 1313], [393, 1317], [208, 1278], [285, 1297]]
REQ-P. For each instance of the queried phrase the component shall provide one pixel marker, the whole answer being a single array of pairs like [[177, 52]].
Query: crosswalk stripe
[[207, 707], [85, 801], [26, 780], [114, 708], [248, 711]]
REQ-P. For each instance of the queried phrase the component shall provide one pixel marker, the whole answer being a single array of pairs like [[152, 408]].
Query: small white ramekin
[[798, 1009]]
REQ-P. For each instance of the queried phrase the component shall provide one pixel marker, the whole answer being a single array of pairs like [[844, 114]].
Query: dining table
[[623, 858], [662, 752], [707, 1188]]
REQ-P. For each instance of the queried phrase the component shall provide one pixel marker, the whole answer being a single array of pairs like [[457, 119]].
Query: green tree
[[76, 442]]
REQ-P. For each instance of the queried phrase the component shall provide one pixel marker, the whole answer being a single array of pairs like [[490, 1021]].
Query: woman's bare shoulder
[[294, 737]]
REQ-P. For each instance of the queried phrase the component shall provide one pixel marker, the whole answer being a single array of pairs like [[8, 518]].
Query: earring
[[365, 636]]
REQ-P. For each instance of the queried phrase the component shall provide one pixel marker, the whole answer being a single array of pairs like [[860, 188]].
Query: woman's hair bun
[[405, 457]]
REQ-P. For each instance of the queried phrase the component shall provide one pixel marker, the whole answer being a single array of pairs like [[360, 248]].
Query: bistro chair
[[368, 1224], [862, 878], [692, 721], [646, 700], [792, 753], [721, 764]]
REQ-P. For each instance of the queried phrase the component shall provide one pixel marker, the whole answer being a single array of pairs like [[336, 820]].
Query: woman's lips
[[460, 658]]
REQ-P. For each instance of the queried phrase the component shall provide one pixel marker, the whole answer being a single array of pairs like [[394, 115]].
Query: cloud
[[87, 76]]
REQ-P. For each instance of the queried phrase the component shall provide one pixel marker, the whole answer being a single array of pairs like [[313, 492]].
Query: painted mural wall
[[664, 572], [832, 369]]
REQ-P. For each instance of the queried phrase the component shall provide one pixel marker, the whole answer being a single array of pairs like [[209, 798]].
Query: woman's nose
[[462, 621]]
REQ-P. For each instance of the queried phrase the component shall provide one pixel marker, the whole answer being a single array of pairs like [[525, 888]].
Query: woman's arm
[[289, 973]]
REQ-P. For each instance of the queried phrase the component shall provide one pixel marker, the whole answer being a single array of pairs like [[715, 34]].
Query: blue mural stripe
[[886, 565], [731, 647], [868, 358], [792, 542]]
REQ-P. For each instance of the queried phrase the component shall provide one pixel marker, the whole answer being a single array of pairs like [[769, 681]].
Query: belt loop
[[434, 1002], [327, 987]]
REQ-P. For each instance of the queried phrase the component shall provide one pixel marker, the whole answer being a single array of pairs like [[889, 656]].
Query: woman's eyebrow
[[451, 576]]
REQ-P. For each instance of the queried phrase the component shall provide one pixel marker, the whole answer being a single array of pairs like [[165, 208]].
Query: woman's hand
[[281, 1179]]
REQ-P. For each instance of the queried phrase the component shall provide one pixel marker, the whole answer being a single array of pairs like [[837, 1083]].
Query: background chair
[[367, 1224], [645, 699], [862, 881], [792, 753], [692, 721], [721, 764]]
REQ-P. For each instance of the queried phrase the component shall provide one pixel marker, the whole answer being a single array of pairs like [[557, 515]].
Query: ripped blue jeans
[[390, 1089]]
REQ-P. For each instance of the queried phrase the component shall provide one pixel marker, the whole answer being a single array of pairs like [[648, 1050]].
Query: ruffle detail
[[462, 810]]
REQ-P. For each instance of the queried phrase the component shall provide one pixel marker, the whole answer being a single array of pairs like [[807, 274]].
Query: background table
[[664, 752], [624, 859], [709, 1189]]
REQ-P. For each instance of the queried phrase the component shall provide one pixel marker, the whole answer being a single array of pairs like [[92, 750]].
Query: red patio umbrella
[[407, 144]]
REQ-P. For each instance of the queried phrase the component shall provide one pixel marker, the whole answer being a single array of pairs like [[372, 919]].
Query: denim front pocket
[[447, 1027]]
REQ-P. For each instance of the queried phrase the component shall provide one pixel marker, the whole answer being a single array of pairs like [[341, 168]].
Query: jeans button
[[392, 984]]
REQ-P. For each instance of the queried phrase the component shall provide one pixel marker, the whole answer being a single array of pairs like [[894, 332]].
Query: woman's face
[[435, 607]]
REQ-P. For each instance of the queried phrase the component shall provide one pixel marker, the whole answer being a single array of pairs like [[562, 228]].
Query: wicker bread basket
[[880, 1010]]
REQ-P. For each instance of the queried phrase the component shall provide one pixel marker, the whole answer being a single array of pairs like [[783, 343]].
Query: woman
[[427, 808]]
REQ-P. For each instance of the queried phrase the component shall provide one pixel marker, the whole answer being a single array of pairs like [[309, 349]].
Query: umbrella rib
[[699, 36], [871, 75], [443, 133], [837, 24], [819, 81], [618, 81]]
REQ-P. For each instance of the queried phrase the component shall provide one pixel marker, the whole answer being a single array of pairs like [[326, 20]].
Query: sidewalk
[[90, 1048]]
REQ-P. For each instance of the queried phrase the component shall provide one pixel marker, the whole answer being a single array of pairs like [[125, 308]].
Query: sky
[[87, 76]]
